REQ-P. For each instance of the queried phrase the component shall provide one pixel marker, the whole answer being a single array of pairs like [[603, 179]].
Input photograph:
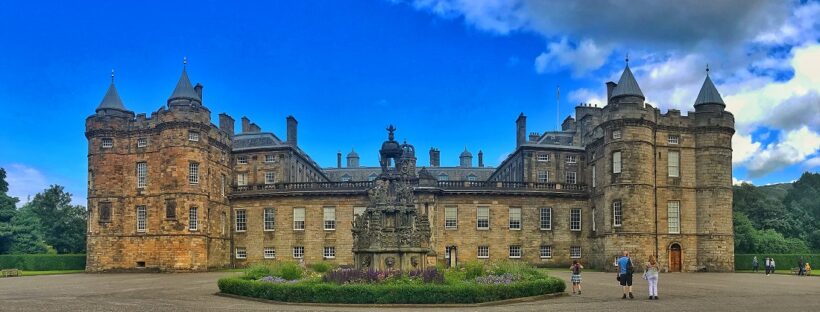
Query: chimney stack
[[480, 159], [435, 157], [198, 90], [246, 124], [609, 87], [521, 130], [339, 159], [254, 128], [534, 136], [226, 123], [291, 122]]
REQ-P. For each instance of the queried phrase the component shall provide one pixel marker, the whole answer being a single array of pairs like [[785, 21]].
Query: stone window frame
[[107, 143], [269, 252], [575, 218], [268, 219], [617, 162], [142, 219], [329, 252], [329, 218], [242, 179], [241, 253], [483, 252], [575, 252], [471, 177], [542, 157], [450, 217], [142, 174], [345, 178], [670, 166], [673, 205], [443, 177], [142, 142], [372, 177], [242, 160], [594, 224], [193, 173], [545, 219], [673, 139], [241, 220], [545, 251], [543, 176], [298, 252], [593, 176], [269, 158], [617, 213], [193, 219], [571, 177], [270, 177], [617, 134], [571, 159], [299, 218], [486, 219], [224, 184], [193, 136], [170, 209], [515, 252], [515, 223]]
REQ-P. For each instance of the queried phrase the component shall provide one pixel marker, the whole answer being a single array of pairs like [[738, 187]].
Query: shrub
[[321, 266], [43, 262], [474, 269], [428, 275], [287, 270], [782, 261], [520, 269], [349, 276], [258, 271]]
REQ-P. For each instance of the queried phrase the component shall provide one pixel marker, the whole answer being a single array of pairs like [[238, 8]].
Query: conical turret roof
[[627, 85], [352, 154], [111, 100], [184, 90], [708, 93], [466, 153]]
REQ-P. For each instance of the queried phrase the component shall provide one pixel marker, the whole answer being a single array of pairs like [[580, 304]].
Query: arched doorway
[[674, 258]]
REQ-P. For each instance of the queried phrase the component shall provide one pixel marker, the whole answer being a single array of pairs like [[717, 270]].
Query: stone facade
[[620, 177]]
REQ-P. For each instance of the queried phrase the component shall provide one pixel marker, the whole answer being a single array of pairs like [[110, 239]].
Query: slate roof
[[627, 85], [184, 90], [111, 100], [708, 93]]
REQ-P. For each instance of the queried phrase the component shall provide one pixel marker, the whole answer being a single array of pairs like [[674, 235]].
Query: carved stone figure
[[390, 262]]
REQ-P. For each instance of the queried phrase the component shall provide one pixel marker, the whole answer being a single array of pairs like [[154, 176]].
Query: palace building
[[174, 192]]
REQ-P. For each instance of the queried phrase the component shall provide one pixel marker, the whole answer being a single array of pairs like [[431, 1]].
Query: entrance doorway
[[451, 254], [674, 258]]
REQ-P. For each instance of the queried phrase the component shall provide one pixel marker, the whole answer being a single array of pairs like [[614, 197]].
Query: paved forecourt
[[195, 291]]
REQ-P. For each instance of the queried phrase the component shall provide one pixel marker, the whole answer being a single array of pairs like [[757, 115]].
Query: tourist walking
[[575, 278], [768, 265], [800, 268], [650, 274], [774, 267], [755, 264], [625, 271]]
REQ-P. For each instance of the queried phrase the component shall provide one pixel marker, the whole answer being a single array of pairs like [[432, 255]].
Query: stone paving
[[195, 292]]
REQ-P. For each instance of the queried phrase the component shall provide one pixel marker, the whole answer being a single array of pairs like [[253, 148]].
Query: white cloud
[[582, 58], [798, 28], [795, 147], [24, 181], [584, 95], [736, 181], [813, 162], [743, 148]]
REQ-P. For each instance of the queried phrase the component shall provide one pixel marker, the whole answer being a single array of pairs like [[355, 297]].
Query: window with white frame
[[242, 160], [594, 226], [674, 164], [270, 177], [299, 219], [471, 177], [483, 252], [329, 252], [269, 216], [543, 176], [617, 213], [142, 142], [545, 218], [450, 217], [298, 252], [107, 142], [142, 174], [142, 215], [571, 159], [593, 176], [543, 157], [241, 220], [515, 218], [242, 179], [616, 134], [345, 178], [269, 253], [575, 252], [193, 173], [443, 177], [515, 251], [616, 162], [330, 218], [193, 136], [241, 253], [483, 217], [572, 177], [193, 219], [269, 158], [575, 219], [546, 252], [673, 139], [673, 216]]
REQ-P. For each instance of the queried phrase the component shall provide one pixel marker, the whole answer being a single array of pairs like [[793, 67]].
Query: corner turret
[[184, 93], [111, 104], [709, 99]]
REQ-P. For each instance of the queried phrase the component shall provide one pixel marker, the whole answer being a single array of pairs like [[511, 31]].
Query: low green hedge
[[781, 261], [42, 262], [384, 294]]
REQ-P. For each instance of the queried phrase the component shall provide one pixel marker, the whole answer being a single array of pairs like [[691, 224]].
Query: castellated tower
[[158, 185]]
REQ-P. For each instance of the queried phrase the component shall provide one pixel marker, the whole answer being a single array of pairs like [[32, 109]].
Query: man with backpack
[[625, 271]]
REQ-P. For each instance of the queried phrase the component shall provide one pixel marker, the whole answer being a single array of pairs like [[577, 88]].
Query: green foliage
[[748, 239], [473, 269], [43, 262], [286, 269], [7, 212], [388, 293], [63, 225], [321, 266], [27, 237], [519, 268], [782, 261]]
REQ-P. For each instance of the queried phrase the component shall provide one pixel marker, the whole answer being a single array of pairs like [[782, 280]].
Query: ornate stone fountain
[[390, 234]]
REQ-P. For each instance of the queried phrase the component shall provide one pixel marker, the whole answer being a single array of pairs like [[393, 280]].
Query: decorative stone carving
[[389, 262]]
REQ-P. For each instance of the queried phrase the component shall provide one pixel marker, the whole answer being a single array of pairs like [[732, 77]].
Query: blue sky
[[448, 74]]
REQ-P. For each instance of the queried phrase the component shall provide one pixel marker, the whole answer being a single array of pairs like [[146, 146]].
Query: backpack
[[576, 269], [629, 268]]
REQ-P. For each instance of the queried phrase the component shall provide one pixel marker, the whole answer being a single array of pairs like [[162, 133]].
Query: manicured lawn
[[35, 273]]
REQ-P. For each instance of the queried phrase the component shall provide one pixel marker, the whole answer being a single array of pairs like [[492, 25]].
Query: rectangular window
[[223, 185], [571, 177], [450, 217], [543, 157], [193, 136], [330, 218], [616, 134], [483, 215], [617, 214], [242, 179], [673, 214], [593, 175], [269, 252], [546, 252], [268, 158], [193, 173], [674, 164], [241, 220], [170, 208], [594, 226], [543, 176], [545, 220], [270, 177], [269, 218], [471, 178], [142, 174], [616, 162], [571, 159], [241, 253], [193, 219], [515, 251], [329, 252], [575, 219], [105, 212], [483, 252], [515, 218], [107, 143], [299, 219], [242, 160], [142, 142], [298, 252], [141, 216], [575, 252], [673, 139]]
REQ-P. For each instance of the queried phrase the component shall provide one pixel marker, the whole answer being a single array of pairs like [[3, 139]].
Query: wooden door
[[674, 258]]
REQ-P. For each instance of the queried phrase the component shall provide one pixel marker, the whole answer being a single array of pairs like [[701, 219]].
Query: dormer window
[[443, 177], [345, 178], [242, 160], [193, 136], [107, 143]]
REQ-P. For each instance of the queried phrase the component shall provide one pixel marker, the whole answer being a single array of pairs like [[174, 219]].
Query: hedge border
[[782, 261], [323, 293], [43, 262]]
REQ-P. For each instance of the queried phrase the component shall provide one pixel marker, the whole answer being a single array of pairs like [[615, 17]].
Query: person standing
[[800, 268], [625, 271], [575, 278], [755, 264], [651, 274], [768, 265], [773, 266]]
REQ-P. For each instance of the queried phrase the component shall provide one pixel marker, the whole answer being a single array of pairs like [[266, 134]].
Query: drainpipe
[[655, 188]]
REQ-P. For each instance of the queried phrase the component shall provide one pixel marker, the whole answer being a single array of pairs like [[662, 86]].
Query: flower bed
[[431, 286]]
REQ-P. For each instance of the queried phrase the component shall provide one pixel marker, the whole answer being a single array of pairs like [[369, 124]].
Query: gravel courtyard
[[195, 292]]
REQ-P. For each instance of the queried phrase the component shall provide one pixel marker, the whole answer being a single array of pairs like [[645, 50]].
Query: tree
[[26, 235], [63, 225], [7, 211]]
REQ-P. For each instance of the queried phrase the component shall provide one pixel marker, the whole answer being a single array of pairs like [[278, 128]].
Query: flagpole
[[557, 107]]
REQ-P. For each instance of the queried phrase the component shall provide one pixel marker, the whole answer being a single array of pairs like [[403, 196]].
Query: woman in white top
[[651, 275]]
